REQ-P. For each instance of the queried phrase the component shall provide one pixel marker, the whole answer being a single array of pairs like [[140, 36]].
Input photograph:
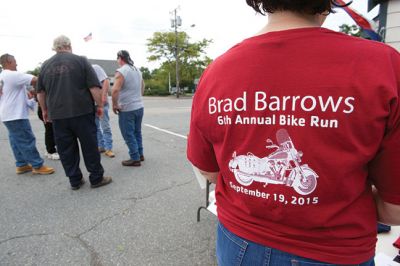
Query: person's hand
[[45, 116], [30, 95], [99, 111], [116, 109]]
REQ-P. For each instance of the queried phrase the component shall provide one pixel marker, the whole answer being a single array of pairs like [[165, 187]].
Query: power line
[[116, 42], [16, 36]]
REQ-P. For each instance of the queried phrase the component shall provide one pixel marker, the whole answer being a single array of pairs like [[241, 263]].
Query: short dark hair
[[310, 7], [5, 58]]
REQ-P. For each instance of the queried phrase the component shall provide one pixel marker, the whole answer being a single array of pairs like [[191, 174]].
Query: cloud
[[28, 32]]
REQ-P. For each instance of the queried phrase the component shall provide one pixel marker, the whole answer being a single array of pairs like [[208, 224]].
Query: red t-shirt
[[299, 123]]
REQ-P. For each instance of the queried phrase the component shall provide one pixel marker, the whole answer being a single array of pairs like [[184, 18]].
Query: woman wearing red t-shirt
[[298, 126]]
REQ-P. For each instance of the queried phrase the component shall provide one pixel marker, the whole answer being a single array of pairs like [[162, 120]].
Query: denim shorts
[[233, 250]]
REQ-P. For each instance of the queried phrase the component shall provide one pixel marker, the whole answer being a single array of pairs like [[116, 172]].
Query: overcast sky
[[27, 28]]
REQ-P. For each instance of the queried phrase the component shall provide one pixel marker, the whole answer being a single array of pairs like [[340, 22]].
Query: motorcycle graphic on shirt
[[281, 167]]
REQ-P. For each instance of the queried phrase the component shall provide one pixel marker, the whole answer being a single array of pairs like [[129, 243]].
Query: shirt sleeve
[[40, 81], [101, 74], [122, 70], [24, 79], [200, 150], [91, 77], [384, 170], [39, 84]]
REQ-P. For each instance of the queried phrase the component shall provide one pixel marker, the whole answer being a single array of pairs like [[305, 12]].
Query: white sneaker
[[54, 156]]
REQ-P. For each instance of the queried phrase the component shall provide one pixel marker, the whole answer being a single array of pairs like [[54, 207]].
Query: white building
[[389, 20]]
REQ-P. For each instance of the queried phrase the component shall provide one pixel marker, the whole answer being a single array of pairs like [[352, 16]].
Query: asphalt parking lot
[[147, 216]]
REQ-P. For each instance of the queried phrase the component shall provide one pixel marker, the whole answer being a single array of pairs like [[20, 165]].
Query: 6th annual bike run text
[[282, 120]]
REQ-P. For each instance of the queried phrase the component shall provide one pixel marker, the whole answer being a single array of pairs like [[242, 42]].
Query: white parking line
[[166, 131]]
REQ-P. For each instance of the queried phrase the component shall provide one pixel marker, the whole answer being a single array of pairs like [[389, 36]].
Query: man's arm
[[105, 86], [142, 87], [211, 176], [97, 96], [118, 81], [34, 81], [388, 213], [41, 96]]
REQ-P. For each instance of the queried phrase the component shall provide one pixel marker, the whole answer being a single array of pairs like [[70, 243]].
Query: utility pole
[[175, 23]]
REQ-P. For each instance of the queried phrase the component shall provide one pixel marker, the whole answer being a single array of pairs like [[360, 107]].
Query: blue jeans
[[233, 250], [104, 135], [23, 143], [130, 124]]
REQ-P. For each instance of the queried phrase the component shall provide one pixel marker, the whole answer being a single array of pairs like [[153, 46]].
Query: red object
[[397, 243], [357, 17], [333, 97], [361, 21]]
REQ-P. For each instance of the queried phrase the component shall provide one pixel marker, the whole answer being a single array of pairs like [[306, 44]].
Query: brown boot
[[23, 169], [131, 163], [105, 181], [109, 153], [78, 186], [43, 170]]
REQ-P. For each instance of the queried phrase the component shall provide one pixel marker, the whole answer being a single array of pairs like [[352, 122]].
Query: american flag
[[88, 37]]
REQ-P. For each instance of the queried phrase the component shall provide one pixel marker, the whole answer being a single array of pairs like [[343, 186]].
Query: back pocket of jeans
[[230, 248]]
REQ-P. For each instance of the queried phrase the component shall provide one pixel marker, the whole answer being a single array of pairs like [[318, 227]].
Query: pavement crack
[[102, 221], [22, 236], [149, 195], [94, 255]]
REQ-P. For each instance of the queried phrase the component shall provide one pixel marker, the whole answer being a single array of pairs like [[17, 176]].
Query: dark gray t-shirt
[[66, 79]]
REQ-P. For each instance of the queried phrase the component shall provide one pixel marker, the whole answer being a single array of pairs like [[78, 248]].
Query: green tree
[[157, 83], [352, 30], [192, 57], [145, 73], [36, 71]]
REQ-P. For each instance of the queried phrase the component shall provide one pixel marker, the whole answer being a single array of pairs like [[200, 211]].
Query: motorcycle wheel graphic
[[307, 184], [243, 178]]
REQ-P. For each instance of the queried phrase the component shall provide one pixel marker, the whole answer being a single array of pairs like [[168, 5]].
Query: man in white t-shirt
[[14, 112]]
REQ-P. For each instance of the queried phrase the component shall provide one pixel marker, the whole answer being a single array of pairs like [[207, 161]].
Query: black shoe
[[141, 158], [79, 185], [105, 181], [131, 163]]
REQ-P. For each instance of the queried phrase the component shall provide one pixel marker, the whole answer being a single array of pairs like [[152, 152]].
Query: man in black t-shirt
[[67, 89]]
